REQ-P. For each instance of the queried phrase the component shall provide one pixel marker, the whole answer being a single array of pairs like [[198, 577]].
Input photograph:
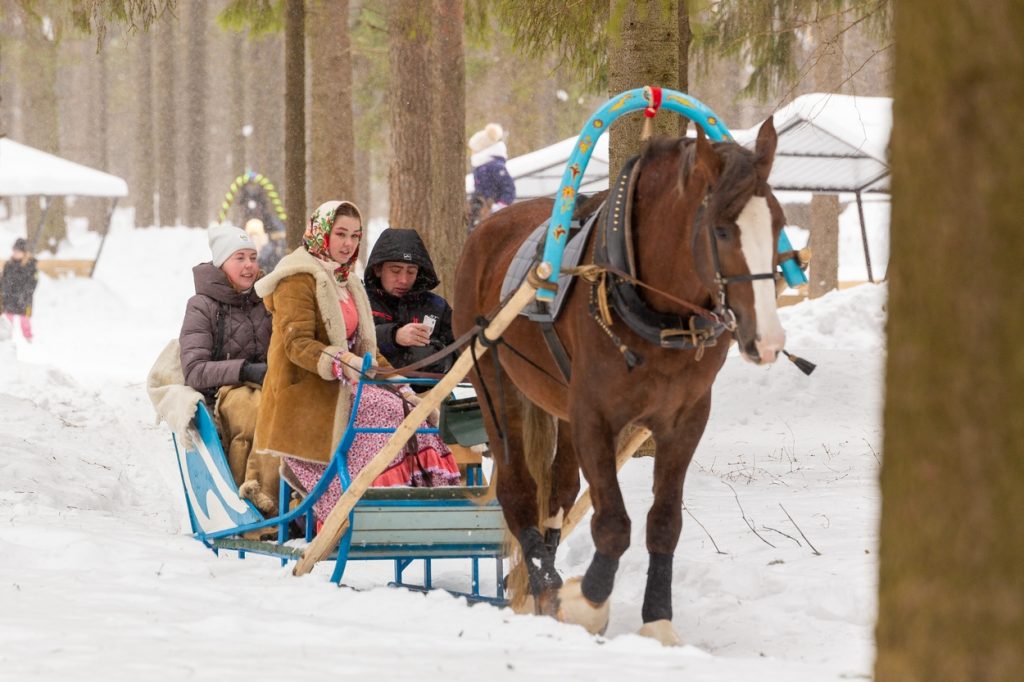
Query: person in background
[[493, 187], [18, 287], [412, 322], [323, 327], [224, 340]]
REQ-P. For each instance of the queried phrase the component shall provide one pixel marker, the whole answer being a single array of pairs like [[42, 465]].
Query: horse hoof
[[573, 607], [662, 631]]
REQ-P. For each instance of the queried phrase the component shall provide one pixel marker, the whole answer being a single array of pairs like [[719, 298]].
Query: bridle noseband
[[722, 308]]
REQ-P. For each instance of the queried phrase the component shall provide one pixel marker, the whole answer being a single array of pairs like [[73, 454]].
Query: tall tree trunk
[[99, 143], [167, 128], [409, 181], [685, 38], [332, 134], [144, 185], [448, 218], [198, 162], [644, 52], [295, 119], [237, 122], [824, 238], [951, 586], [266, 104], [42, 124]]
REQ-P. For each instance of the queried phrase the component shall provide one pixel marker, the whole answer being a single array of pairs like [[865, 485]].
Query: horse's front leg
[[676, 444], [585, 601]]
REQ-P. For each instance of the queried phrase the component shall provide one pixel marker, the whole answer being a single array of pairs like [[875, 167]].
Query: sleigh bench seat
[[403, 525]]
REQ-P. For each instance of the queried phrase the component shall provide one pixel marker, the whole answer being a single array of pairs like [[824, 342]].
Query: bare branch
[[686, 509], [747, 521], [813, 548]]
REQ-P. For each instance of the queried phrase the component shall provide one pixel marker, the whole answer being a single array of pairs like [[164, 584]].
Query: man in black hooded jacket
[[412, 322]]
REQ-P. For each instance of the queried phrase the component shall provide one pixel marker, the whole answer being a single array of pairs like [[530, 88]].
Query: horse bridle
[[722, 309]]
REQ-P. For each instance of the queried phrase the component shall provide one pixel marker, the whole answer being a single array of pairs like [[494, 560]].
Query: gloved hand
[[434, 418], [253, 372], [347, 365]]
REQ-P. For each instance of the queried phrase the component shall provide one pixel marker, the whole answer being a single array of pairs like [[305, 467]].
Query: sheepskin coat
[[304, 410]]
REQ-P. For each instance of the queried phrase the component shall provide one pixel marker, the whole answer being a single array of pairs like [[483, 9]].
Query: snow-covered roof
[[830, 143], [539, 173], [827, 143], [27, 171]]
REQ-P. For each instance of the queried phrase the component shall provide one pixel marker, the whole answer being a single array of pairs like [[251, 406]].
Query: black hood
[[403, 246]]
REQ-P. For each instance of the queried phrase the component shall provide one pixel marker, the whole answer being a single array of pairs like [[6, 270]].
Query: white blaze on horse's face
[[756, 241]]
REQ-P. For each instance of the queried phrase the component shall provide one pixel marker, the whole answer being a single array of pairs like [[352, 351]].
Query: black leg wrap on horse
[[658, 595], [540, 563], [552, 536], [599, 579]]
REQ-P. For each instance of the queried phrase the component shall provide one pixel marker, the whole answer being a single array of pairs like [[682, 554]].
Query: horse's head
[[735, 236]]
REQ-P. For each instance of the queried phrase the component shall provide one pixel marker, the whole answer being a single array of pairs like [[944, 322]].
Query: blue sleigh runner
[[402, 525]]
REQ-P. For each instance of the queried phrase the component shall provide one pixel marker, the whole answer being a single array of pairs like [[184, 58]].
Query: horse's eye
[[722, 232]]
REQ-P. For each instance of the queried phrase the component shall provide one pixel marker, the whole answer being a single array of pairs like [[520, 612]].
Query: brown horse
[[704, 224]]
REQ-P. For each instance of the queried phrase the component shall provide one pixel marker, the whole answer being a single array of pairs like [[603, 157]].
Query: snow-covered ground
[[99, 578]]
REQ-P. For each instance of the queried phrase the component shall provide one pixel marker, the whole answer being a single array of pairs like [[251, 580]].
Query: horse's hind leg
[[565, 486], [529, 432], [676, 446]]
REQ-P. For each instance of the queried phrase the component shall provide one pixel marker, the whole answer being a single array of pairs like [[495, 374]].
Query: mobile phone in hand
[[430, 321]]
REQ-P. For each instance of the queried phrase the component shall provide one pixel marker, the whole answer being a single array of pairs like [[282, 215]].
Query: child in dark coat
[[18, 286], [494, 188]]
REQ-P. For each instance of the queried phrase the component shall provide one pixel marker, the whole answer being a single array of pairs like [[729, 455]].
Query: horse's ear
[[767, 139], [706, 161]]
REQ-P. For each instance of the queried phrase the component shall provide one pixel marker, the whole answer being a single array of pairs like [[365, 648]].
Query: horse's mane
[[736, 183]]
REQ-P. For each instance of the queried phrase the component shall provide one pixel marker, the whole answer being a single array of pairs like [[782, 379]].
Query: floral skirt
[[431, 466]]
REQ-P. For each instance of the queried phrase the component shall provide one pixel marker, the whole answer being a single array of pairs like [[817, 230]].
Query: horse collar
[[614, 248]]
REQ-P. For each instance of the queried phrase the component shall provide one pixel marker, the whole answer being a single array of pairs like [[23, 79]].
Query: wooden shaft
[[337, 521], [583, 503]]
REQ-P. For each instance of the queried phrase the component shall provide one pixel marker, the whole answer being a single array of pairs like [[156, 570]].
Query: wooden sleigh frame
[[403, 525]]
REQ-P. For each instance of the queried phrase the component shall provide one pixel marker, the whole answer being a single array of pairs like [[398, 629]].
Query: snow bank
[[99, 579]]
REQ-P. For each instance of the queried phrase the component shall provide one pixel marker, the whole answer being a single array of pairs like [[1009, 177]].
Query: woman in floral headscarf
[[323, 327]]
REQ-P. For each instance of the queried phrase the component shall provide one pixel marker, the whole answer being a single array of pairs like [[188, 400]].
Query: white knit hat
[[225, 240], [482, 139]]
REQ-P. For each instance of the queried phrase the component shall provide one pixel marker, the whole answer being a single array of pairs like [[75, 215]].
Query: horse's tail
[[539, 437]]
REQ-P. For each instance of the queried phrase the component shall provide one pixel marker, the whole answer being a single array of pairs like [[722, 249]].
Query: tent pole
[[864, 237], [42, 221], [106, 231]]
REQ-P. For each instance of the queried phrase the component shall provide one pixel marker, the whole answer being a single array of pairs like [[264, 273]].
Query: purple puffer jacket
[[246, 334]]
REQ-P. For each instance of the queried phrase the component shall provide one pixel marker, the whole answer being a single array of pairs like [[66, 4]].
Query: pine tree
[[409, 182], [143, 184], [448, 185], [332, 169], [166, 121], [295, 119], [197, 162], [38, 68]]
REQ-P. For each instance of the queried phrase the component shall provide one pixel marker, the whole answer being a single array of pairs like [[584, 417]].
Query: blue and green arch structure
[[650, 99]]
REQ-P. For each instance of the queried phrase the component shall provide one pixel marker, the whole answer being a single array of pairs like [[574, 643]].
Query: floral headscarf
[[317, 236]]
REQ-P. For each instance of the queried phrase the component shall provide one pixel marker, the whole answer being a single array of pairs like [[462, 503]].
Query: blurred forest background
[[374, 100]]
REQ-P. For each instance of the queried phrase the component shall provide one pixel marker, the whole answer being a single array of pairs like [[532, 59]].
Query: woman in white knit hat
[[493, 187], [224, 340]]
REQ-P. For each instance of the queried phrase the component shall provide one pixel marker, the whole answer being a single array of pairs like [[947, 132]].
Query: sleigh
[[401, 525]]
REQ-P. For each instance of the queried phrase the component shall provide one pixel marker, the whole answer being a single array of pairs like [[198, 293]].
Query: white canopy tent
[[27, 171], [831, 143]]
